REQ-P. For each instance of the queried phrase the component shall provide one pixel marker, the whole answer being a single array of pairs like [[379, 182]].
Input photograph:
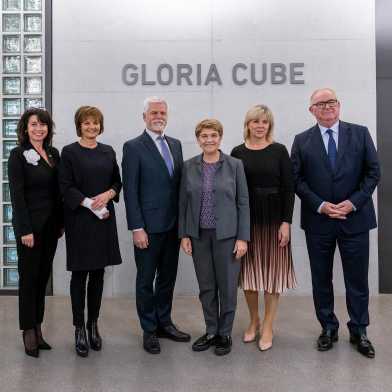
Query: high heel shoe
[[94, 337], [264, 346], [81, 345], [31, 351], [249, 337], [42, 344]]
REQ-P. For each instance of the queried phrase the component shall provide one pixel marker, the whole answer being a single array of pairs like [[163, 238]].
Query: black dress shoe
[[364, 345], [81, 345], [151, 343], [326, 339], [94, 337], [223, 345], [43, 345], [204, 342], [30, 350], [172, 333]]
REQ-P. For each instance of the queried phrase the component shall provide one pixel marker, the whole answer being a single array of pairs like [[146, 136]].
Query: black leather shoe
[[94, 337], [204, 342], [364, 345], [43, 345], [81, 345], [151, 343], [223, 345], [171, 332], [326, 339]]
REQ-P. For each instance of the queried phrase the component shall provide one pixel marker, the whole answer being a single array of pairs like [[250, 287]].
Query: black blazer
[[356, 175], [34, 191], [150, 194]]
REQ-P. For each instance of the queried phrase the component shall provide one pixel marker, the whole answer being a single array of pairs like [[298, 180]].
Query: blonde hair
[[256, 112]]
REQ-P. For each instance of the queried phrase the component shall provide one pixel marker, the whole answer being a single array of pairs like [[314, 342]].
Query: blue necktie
[[166, 155], [332, 151]]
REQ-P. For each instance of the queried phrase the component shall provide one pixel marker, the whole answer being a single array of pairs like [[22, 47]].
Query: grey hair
[[150, 100], [322, 89]]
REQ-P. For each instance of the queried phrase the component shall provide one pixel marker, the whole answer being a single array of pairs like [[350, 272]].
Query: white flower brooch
[[32, 157]]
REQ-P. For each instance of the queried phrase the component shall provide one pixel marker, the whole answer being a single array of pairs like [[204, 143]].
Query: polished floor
[[293, 364]]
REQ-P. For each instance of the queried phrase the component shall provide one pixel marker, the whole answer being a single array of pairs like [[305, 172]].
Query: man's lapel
[[319, 147], [149, 143], [175, 154], [344, 136]]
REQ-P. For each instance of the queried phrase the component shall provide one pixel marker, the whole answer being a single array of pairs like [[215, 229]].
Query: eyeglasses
[[330, 103]]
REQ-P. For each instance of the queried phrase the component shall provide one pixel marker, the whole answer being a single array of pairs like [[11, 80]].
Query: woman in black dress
[[37, 219], [89, 181], [268, 265]]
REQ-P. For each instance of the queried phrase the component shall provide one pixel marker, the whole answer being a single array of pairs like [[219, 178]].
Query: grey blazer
[[231, 199]]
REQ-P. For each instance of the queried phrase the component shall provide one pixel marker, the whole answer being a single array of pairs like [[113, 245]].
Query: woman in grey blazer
[[214, 228]]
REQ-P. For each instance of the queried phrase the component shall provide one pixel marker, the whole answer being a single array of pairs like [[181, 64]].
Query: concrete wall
[[93, 40]]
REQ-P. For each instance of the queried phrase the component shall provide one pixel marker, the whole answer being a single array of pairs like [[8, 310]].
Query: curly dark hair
[[44, 117]]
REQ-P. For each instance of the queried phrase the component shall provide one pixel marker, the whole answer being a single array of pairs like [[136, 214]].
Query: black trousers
[[354, 252], [94, 295], [156, 264], [34, 268]]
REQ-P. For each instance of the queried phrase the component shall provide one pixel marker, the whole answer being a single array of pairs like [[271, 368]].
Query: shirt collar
[[334, 128], [154, 136]]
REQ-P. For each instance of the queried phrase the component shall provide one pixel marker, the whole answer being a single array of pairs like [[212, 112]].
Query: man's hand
[[186, 245], [345, 207], [140, 239], [284, 234], [240, 248], [332, 211]]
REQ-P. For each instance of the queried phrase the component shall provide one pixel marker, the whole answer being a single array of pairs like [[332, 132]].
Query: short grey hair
[[322, 89], [150, 100]]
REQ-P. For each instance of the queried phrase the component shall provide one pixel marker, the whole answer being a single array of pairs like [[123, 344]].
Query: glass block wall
[[22, 82]]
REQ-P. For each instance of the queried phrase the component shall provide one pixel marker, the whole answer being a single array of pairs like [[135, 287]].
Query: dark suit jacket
[[150, 194], [231, 199], [34, 191], [355, 177]]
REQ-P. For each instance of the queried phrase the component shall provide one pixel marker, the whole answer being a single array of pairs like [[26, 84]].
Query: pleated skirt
[[266, 266]]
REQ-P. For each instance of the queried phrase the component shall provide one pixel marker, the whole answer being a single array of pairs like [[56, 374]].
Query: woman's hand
[[240, 248], [28, 240], [101, 200], [186, 245], [284, 234]]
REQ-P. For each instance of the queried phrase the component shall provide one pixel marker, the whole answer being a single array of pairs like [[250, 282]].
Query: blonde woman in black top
[[268, 265]]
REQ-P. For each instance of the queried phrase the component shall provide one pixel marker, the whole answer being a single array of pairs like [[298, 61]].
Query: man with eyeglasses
[[336, 170]]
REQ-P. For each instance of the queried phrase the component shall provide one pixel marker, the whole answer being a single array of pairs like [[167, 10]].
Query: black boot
[[81, 345], [94, 337]]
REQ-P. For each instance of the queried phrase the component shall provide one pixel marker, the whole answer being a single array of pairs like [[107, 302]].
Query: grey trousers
[[217, 273]]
